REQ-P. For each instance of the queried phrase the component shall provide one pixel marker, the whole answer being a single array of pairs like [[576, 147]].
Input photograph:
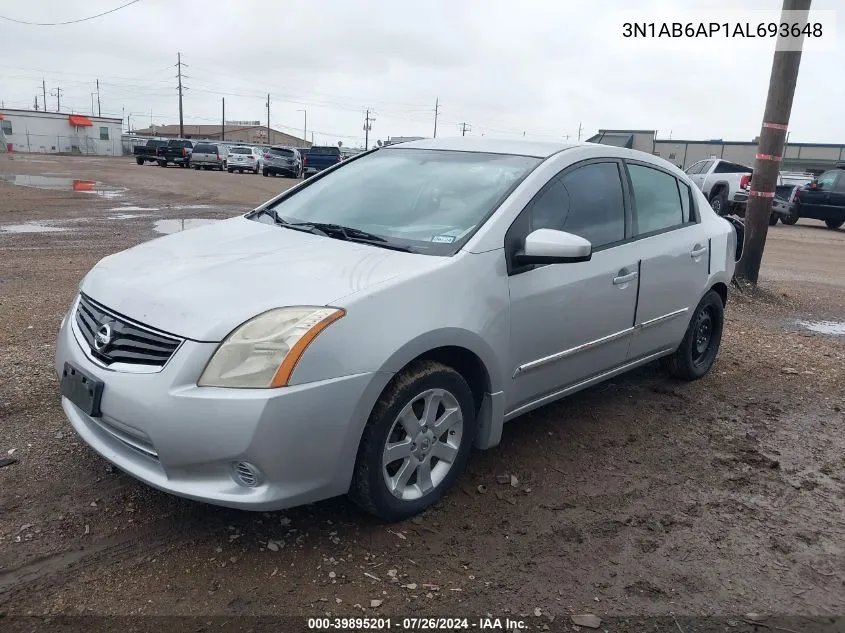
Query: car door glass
[[686, 202], [826, 180], [587, 202], [694, 169], [658, 202], [840, 184]]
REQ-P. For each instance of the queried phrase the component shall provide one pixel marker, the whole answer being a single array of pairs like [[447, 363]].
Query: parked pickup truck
[[319, 158], [725, 184], [176, 151], [147, 153], [786, 189]]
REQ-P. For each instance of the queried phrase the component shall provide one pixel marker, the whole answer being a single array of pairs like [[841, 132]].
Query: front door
[[572, 321], [815, 202], [675, 250]]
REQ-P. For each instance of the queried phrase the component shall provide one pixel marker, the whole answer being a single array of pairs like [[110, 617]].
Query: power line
[[90, 17]]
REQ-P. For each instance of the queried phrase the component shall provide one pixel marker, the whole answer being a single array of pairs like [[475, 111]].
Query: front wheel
[[416, 442], [834, 224], [139, 160], [697, 352]]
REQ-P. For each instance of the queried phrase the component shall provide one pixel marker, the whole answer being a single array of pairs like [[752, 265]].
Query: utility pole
[[579, 132], [44, 94], [367, 127], [99, 107], [58, 94], [304, 125], [92, 103], [436, 113], [179, 78], [36, 103], [223, 121], [465, 127], [773, 133], [268, 117]]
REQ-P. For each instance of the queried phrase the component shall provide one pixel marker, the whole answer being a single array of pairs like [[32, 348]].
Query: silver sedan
[[362, 331]]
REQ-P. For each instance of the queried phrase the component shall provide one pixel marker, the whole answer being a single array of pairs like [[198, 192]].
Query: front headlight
[[263, 352]]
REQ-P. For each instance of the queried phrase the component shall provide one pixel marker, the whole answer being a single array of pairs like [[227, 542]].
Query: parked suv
[[242, 159], [822, 199], [282, 160], [208, 156]]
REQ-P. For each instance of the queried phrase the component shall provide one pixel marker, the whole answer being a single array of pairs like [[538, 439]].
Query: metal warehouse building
[[804, 157], [57, 132], [231, 133]]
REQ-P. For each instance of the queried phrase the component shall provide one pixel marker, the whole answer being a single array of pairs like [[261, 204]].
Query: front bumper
[[164, 430]]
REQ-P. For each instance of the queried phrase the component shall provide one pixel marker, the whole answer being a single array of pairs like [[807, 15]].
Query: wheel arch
[[469, 355]]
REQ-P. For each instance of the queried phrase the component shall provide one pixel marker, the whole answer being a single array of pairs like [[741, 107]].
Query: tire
[[719, 202], [255, 171], [231, 171], [834, 224], [240, 171], [197, 167], [697, 352], [790, 219], [139, 160], [773, 219], [264, 173], [409, 392], [162, 163]]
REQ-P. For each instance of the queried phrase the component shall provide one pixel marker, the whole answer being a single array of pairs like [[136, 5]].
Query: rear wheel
[[834, 224], [264, 173], [416, 442], [719, 202], [773, 219], [162, 163], [790, 219], [139, 160], [230, 170], [697, 352]]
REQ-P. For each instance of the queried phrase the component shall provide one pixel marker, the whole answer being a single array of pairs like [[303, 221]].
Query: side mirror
[[548, 246]]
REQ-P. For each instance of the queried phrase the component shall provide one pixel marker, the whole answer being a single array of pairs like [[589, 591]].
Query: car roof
[[539, 149]]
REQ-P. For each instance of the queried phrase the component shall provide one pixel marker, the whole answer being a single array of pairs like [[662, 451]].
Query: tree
[[782, 82]]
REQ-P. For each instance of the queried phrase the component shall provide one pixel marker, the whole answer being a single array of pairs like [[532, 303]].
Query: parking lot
[[640, 496]]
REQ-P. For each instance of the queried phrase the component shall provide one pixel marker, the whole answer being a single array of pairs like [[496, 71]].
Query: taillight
[[797, 193], [743, 181], [184, 152], [266, 155], [339, 158], [305, 160]]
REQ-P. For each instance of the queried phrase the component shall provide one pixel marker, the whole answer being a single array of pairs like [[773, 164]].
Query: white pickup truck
[[725, 184]]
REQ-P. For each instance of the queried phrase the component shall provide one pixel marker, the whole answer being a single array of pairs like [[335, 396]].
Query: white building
[[55, 132]]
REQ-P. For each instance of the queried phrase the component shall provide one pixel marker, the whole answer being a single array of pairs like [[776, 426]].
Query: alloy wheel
[[422, 444]]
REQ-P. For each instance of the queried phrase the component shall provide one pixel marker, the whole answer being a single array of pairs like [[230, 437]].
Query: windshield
[[240, 150], [428, 200]]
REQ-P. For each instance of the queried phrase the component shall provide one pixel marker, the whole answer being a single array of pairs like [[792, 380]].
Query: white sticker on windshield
[[443, 239]]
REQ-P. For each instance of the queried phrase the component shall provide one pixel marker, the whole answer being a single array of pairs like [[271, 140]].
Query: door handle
[[698, 251], [624, 278]]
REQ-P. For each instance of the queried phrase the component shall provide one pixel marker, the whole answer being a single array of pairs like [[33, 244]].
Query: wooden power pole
[[223, 121], [179, 65], [770, 146]]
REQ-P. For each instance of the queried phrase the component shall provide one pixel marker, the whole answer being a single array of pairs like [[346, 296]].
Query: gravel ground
[[640, 497]]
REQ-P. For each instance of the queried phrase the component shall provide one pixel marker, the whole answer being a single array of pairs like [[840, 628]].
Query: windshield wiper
[[345, 233], [272, 213]]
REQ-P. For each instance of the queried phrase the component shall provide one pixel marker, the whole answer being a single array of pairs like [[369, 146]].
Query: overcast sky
[[505, 67]]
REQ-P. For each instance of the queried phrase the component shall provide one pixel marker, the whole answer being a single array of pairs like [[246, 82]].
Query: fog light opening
[[246, 474]]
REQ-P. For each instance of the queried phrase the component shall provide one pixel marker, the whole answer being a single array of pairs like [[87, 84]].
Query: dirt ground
[[640, 497]]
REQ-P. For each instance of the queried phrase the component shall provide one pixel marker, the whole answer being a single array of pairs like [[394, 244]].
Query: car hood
[[202, 283]]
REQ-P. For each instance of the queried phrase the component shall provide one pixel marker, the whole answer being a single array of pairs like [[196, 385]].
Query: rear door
[[816, 201], [674, 251]]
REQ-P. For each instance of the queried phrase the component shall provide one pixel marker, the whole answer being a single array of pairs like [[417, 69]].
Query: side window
[[826, 180], [840, 184], [658, 202], [587, 202], [6, 126], [693, 169]]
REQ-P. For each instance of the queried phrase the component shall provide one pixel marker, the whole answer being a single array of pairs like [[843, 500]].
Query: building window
[[672, 155], [6, 126], [104, 133]]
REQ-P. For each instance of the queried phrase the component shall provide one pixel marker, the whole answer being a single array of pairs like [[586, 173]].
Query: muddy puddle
[[64, 183], [829, 328], [30, 227]]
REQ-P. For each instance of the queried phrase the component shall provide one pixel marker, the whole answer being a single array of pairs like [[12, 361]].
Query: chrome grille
[[129, 342]]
